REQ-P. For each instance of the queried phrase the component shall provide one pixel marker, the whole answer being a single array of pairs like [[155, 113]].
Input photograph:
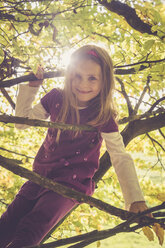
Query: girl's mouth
[[83, 92]]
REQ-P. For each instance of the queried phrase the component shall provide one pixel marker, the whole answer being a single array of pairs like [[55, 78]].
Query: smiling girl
[[67, 157]]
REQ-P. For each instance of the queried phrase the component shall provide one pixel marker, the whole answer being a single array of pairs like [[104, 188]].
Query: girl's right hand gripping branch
[[39, 75]]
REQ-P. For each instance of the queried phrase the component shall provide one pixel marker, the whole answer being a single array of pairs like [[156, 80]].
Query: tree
[[33, 31]]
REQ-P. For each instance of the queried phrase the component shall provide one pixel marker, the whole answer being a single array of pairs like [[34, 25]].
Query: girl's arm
[[26, 96], [125, 170]]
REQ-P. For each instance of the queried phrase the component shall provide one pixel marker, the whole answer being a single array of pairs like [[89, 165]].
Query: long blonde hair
[[103, 103]]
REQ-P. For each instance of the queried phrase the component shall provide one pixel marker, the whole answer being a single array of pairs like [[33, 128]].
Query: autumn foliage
[[46, 32]]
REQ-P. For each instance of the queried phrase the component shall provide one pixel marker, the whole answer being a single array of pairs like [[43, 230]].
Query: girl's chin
[[82, 103]]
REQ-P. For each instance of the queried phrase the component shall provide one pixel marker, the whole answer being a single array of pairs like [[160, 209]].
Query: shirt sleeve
[[25, 98], [124, 168]]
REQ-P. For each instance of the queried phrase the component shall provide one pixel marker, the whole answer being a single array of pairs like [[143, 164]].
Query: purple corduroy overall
[[73, 162]]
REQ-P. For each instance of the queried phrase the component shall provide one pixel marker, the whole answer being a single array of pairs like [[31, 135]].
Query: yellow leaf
[[98, 244], [159, 231], [161, 197], [148, 233]]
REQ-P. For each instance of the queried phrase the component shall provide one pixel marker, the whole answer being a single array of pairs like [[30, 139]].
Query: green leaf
[[148, 44], [154, 28]]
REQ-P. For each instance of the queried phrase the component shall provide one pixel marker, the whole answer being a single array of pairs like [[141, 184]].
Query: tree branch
[[61, 189], [132, 130], [156, 103], [138, 127], [142, 116], [31, 77], [5, 16], [48, 124], [61, 73], [161, 133], [20, 154], [142, 95], [155, 141], [142, 62], [129, 14], [95, 235], [124, 93], [8, 98]]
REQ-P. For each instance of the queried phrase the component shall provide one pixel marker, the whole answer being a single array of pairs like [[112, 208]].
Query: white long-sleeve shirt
[[121, 160]]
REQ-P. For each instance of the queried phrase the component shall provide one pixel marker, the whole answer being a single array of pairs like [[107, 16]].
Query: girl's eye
[[77, 76], [92, 78]]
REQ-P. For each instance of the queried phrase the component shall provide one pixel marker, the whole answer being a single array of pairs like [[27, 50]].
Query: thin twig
[[156, 103], [142, 95], [124, 93], [20, 154]]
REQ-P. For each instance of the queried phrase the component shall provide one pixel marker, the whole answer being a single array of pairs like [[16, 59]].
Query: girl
[[67, 157]]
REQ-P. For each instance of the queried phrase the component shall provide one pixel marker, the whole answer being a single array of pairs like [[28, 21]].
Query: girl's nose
[[84, 82]]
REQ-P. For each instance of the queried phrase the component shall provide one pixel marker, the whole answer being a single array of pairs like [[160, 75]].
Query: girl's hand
[[137, 207], [39, 75]]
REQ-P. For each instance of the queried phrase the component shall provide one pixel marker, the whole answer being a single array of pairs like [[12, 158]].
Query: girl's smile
[[83, 92], [87, 81]]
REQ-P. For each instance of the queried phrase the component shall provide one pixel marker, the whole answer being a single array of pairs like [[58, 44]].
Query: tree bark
[[139, 127], [48, 124], [129, 14]]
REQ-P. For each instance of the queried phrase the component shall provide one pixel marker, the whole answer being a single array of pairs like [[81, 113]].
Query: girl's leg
[[9, 220], [48, 211]]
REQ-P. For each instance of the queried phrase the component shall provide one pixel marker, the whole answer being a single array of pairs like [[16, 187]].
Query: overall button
[[74, 176], [66, 163]]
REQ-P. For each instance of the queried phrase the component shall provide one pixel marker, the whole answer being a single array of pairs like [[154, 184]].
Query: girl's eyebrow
[[88, 75], [92, 75], [77, 74]]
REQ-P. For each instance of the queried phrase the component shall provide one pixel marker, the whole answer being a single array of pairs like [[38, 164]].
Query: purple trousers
[[26, 222]]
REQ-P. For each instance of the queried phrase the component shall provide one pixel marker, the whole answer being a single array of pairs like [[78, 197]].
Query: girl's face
[[87, 81]]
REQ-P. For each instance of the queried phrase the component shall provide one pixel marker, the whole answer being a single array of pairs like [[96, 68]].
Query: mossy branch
[[47, 124], [61, 189]]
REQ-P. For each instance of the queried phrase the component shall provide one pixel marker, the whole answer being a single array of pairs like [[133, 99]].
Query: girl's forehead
[[88, 67]]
